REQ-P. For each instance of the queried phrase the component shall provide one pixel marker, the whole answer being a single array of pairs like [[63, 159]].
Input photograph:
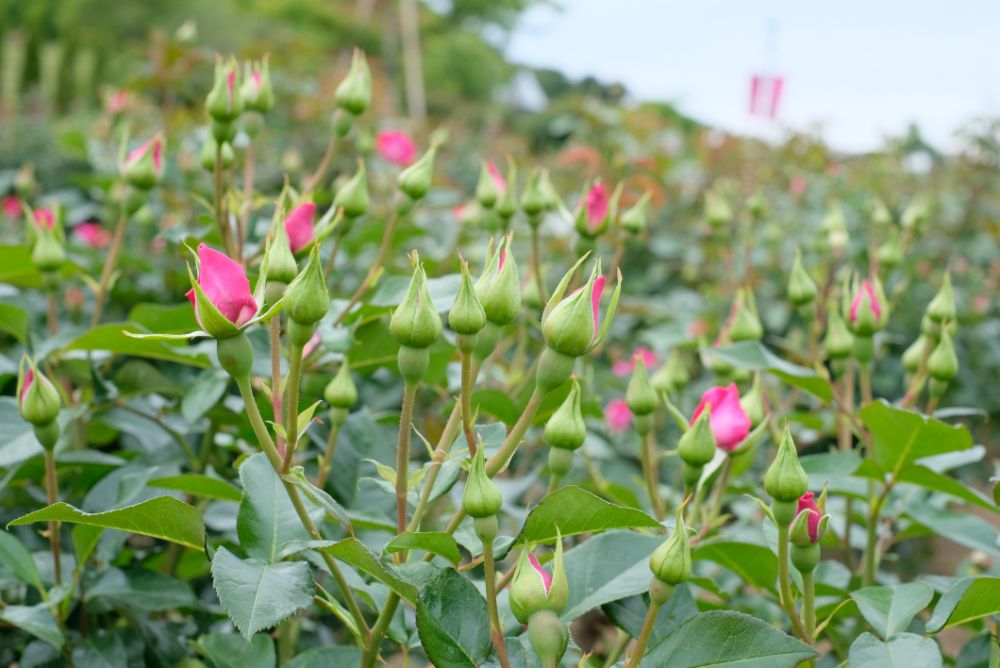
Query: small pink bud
[[225, 284], [626, 367], [617, 415], [597, 206], [11, 206], [730, 423], [396, 147], [45, 218], [867, 290], [497, 177], [299, 226], [92, 234], [807, 503]]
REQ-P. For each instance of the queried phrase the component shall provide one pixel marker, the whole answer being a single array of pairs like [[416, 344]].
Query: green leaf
[[901, 437], [452, 621], [756, 564], [318, 496], [101, 651], [142, 589], [592, 583], [891, 609], [906, 650], [199, 484], [436, 542], [630, 613], [228, 650], [168, 319], [162, 517], [326, 657], [257, 595], [968, 599], [85, 539], [17, 268], [14, 321], [204, 394], [352, 551], [574, 510], [754, 356], [725, 638], [17, 560], [266, 519], [112, 338], [937, 482], [36, 620], [17, 440], [963, 528]]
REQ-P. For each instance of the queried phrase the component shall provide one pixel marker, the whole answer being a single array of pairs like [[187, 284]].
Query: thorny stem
[[292, 405], [53, 313], [651, 470], [52, 490], [376, 268], [274, 329], [466, 400], [785, 582], [110, 264], [536, 264], [809, 606], [403, 453], [220, 214], [244, 225], [331, 445], [324, 164], [496, 630], [647, 629]]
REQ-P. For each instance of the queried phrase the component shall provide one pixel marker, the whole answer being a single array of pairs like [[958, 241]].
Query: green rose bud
[[467, 316], [745, 325], [533, 200], [256, 91], [48, 253], [757, 206], [354, 93], [942, 307], [566, 429], [717, 211], [697, 445], [499, 286], [671, 562], [890, 253], [281, 265], [835, 226], [415, 323], [640, 395], [210, 149], [415, 180], [532, 589], [489, 186], [672, 376], [37, 398], [786, 480], [224, 104], [838, 342], [306, 299], [341, 392], [352, 197], [570, 327], [914, 355], [142, 167], [482, 497], [942, 362], [506, 205], [801, 287], [634, 219], [753, 402], [550, 197], [548, 637]]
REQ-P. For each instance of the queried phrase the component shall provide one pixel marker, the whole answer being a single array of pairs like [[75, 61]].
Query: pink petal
[[92, 234], [396, 147], [11, 206], [225, 284], [617, 414], [808, 504], [498, 178], [503, 258], [728, 420], [542, 573], [29, 378], [627, 367], [597, 205], [45, 217], [595, 299], [299, 226], [866, 289]]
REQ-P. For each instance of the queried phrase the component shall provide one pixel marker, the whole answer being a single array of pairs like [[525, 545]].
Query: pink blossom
[[117, 102], [597, 205], [225, 284], [497, 177], [807, 504], [542, 573], [617, 415], [92, 234], [299, 226], [626, 367], [11, 206], [728, 420], [29, 378], [396, 147], [798, 185], [153, 146], [45, 218], [867, 289]]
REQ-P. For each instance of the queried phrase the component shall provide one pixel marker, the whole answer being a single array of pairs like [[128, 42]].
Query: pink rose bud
[[730, 423], [807, 503], [627, 367], [617, 415], [396, 147], [224, 285], [299, 226], [45, 219], [92, 234], [592, 216], [865, 314], [11, 207], [117, 102], [143, 166]]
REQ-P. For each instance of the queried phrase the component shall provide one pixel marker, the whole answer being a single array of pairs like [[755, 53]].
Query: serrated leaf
[[258, 595], [318, 496], [452, 621], [573, 510], [901, 437], [890, 609], [142, 589], [199, 484], [906, 650], [162, 517], [228, 650], [36, 620], [17, 560], [352, 551], [266, 519], [968, 599]]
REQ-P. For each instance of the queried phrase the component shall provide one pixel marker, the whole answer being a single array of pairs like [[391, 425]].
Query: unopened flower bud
[[942, 307], [307, 299], [281, 264], [808, 526], [838, 342], [634, 219], [915, 214], [499, 286], [801, 287], [256, 91], [672, 375], [717, 211], [757, 206], [881, 216], [914, 355], [415, 323], [491, 185], [571, 326], [566, 429], [48, 254], [209, 152], [341, 392], [671, 561], [865, 314], [37, 398], [548, 637], [745, 325], [533, 199], [354, 93], [697, 445], [533, 589], [415, 180], [506, 205], [224, 104], [890, 253], [467, 316], [352, 197], [640, 395], [835, 226], [550, 198], [785, 480], [143, 166], [592, 214], [753, 402], [482, 497], [942, 362]]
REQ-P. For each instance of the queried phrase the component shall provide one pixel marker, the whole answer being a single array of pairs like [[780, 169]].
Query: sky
[[855, 71]]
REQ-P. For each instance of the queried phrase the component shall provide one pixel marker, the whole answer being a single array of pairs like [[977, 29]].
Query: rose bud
[[802, 288], [717, 211], [753, 402], [839, 341], [11, 206], [696, 447], [341, 394], [352, 197], [640, 395], [942, 307], [143, 166], [37, 398], [209, 151], [565, 432], [532, 589], [300, 226], [354, 93], [415, 180], [533, 200], [671, 561], [482, 499], [785, 480], [467, 316], [491, 186], [281, 265], [672, 376], [835, 226], [396, 147], [550, 197], [757, 206], [306, 300], [865, 314], [571, 325], [499, 286], [592, 214], [224, 104], [634, 219], [914, 355], [745, 324], [617, 415], [92, 234], [808, 527], [416, 322], [506, 205], [256, 91], [730, 423], [47, 254], [942, 362], [548, 636], [890, 253], [223, 303]]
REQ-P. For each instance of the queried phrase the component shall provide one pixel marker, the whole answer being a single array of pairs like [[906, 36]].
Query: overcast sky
[[858, 69]]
